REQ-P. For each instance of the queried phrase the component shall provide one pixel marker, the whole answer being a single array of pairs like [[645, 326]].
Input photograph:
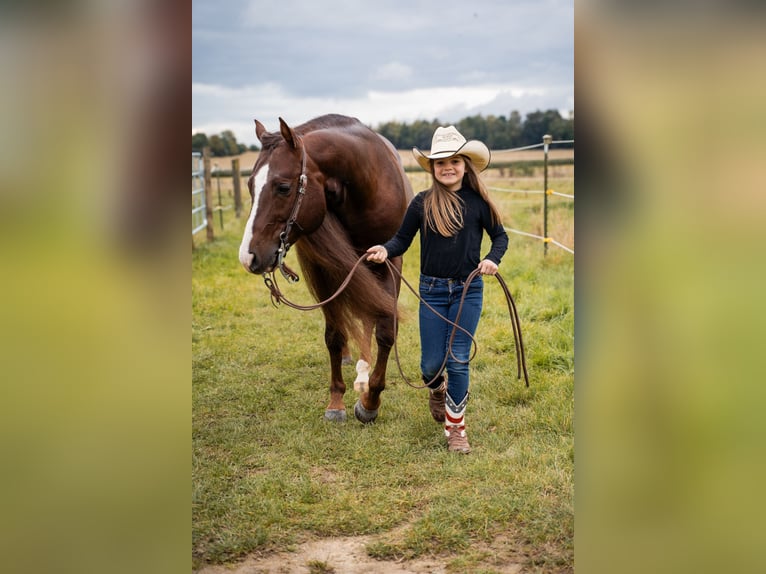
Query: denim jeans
[[444, 296]]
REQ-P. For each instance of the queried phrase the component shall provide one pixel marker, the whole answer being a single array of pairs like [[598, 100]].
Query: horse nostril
[[254, 263]]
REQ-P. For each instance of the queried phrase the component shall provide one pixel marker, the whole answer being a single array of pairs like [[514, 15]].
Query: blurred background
[[669, 286], [94, 315], [95, 405]]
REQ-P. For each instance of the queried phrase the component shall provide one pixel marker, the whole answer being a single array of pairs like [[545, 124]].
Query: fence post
[[208, 193], [219, 207], [235, 182], [546, 142]]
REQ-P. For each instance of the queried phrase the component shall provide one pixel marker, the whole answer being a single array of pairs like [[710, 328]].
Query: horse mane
[[270, 140], [326, 257]]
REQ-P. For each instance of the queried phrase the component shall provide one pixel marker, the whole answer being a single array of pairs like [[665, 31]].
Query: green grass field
[[270, 473]]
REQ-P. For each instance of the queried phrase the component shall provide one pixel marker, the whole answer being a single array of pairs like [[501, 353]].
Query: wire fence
[[545, 192], [203, 210]]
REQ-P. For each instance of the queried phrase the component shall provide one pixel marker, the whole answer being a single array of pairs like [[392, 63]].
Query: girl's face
[[450, 171]]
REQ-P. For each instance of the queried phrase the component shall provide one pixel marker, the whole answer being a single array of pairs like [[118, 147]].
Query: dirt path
[[335, 556]]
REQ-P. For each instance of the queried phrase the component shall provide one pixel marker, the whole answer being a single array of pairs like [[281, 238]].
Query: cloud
[[267, 102], [332, 15], [392, 72], [393, 61]]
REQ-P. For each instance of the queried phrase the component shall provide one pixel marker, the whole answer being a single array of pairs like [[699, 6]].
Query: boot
[[436, 398], [454, 427], [457, 440]]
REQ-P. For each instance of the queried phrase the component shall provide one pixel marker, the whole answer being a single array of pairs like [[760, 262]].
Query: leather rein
[[521, 363]]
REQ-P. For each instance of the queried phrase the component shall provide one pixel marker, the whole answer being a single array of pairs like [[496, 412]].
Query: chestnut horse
[[332, 187]]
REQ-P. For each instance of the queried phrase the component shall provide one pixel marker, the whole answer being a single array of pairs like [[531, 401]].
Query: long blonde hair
[[442, 208]]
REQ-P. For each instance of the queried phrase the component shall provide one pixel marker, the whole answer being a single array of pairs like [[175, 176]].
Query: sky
[[379, 60]]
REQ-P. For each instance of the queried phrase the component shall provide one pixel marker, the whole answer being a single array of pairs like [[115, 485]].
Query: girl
[[451, 216]]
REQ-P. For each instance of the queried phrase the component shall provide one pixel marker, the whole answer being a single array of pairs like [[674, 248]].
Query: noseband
[[284, 245]]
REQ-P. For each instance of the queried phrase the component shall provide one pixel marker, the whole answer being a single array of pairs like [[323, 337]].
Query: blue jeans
[[444, 296]]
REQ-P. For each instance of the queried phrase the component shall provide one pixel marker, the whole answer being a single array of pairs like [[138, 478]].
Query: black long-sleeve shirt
[[456, 256]]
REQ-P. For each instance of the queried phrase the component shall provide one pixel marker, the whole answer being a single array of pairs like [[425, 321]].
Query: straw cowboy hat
[[448, 142]]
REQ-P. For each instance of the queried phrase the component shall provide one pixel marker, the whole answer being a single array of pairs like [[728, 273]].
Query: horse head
[[288, 199]]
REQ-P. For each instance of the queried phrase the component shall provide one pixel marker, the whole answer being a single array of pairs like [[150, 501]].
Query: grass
[[269, 472]]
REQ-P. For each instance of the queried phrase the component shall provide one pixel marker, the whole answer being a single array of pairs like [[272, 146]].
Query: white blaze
[[245, 257]]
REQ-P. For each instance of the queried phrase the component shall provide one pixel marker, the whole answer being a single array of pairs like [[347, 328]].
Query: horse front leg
[[335, 341], [366, 408], [363, 364]]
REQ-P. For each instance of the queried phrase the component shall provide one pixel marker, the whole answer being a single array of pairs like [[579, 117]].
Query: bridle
[[284, 245]]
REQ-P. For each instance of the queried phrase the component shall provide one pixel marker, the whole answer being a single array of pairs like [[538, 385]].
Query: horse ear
[[260, 129], [287, 133]]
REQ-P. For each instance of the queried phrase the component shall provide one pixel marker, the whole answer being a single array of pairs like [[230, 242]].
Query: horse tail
[[326, 257]]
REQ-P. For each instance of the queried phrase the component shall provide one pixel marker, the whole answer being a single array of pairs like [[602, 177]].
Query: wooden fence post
[[235, 181], [208, 193]]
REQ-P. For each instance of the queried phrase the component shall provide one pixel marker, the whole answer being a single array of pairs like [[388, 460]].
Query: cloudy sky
[[383, 60]]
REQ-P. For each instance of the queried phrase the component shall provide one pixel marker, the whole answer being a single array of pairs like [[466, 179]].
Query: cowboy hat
[[448, 142]]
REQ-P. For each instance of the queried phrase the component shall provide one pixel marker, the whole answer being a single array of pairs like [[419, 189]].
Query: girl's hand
[[377, 254], [487, 267]]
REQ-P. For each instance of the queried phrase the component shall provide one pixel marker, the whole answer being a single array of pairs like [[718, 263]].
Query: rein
[[521, 363]]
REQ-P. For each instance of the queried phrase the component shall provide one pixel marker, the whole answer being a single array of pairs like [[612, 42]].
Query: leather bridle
[[284, 244]]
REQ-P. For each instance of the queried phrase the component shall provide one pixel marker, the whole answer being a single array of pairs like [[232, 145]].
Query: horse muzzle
[[258, 264]]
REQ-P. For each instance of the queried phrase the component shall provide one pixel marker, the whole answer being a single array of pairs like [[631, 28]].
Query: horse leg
[[335, 341], [363, 364], [366, 408], [346, 353]]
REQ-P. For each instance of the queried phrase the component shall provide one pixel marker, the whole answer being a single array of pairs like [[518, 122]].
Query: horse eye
[[283, 188]]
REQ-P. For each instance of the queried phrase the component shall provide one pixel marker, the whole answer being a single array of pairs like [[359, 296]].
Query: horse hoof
[[335, 415], [363, 415]]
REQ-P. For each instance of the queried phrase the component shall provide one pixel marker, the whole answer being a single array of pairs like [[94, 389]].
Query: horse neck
[[340, 155]]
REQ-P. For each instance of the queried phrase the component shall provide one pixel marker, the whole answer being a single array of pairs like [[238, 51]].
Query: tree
[[217, 146], [223, 144], [513, 129], [199, 141], [229, 143]]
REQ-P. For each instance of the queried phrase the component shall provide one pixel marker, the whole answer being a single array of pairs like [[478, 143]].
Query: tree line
[[498, 132], [220, 145]]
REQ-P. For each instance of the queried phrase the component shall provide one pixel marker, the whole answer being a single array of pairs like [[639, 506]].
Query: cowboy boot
[[436, 398], [454, 425]]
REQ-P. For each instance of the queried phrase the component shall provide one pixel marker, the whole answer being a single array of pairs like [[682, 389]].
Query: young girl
[[451, 217]]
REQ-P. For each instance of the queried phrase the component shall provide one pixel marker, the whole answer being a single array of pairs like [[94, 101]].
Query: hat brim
[[477, 151]]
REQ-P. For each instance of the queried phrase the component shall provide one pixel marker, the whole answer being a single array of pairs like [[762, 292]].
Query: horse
[[332, 187]]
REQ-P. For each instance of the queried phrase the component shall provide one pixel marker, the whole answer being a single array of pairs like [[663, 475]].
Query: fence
[[199, 216], [202, 210], [546, 192], [202, 193]]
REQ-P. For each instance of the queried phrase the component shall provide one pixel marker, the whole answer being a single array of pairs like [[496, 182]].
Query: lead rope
[[521, 363]]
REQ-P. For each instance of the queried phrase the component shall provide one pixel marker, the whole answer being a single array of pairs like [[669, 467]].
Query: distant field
[[247, 159]]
